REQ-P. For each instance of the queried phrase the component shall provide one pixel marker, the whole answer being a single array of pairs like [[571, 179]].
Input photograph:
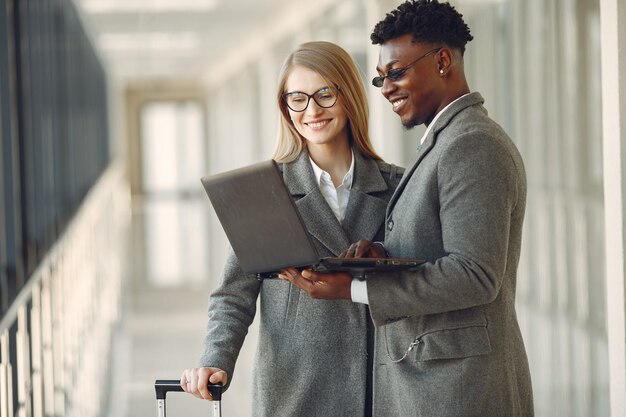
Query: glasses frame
[[396, 74], [335, 88]]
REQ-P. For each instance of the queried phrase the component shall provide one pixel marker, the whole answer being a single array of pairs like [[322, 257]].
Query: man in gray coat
[[447, 338]]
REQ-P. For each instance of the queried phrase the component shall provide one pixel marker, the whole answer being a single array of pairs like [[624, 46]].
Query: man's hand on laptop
[[364, 249], [320, 285]]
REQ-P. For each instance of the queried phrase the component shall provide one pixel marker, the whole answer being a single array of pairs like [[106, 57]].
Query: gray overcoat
[[311, 356], [460, 206]]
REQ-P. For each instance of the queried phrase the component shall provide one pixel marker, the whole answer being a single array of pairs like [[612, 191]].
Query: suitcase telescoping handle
[[163, 386]]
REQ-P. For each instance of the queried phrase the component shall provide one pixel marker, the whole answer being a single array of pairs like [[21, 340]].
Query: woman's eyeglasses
[[396, 74], [298, 101]]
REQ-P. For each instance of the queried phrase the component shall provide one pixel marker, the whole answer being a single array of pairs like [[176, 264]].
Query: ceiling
[[191, 40], [187, 39]]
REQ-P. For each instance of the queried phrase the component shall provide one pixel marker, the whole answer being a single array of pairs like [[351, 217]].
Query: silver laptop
[[266, 231]]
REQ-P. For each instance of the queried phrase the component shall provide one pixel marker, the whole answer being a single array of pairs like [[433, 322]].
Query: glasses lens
[[396, 74], [392, 75], [326, 97], [299, 101], [296, 101]]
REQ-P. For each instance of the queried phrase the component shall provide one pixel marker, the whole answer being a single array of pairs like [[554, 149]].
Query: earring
[[441, 71]]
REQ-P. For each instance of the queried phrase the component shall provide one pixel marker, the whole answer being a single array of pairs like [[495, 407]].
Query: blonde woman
[[313, 357]]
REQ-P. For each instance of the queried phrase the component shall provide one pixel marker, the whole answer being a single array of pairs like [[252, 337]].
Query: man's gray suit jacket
[[460, 206]]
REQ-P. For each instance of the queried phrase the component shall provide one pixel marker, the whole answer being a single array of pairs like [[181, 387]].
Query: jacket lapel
[[428, 144], [364, 213], [430, 140], [317, 215]]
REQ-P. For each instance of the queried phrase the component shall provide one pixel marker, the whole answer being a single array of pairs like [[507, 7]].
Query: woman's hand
[[196, 381]]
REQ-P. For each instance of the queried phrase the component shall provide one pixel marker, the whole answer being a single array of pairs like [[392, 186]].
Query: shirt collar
[[430, 126], [321, 175]]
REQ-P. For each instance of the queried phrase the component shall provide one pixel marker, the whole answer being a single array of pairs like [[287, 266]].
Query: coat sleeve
[[232, 307], [478, 181]]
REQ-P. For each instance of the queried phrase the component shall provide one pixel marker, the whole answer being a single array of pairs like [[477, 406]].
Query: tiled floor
[[160, 335]]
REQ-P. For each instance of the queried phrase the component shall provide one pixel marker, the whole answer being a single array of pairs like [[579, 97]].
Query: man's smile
[[397, 103]]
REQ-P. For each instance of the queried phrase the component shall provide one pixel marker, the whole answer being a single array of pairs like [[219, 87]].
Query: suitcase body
[[163, 386]]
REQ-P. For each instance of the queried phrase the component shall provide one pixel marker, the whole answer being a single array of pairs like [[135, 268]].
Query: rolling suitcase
[[163, 386]]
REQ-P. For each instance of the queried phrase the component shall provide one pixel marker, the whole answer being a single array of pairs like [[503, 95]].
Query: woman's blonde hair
[[337, 68]]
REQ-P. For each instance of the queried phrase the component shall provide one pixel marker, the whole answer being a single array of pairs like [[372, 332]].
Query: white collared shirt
[[430, 126], [336, 197]]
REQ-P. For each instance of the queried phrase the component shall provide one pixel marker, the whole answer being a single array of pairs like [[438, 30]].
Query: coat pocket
[[453, 343]]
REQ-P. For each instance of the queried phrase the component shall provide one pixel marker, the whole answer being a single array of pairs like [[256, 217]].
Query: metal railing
[[55, 338]]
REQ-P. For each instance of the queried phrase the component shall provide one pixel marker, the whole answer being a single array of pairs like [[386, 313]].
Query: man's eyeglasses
[[396, 74], [299, 101]]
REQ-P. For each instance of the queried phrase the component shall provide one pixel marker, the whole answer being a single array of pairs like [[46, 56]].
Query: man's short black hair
[[428, 21]]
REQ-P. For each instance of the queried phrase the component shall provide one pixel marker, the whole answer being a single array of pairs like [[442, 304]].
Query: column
[[613, 41]]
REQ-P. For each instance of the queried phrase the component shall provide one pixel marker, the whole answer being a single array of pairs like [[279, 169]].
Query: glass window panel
[[191, 127], [176, 242], [4, 101], [175, 210], [172, 146], [159, 150], [4, 284]]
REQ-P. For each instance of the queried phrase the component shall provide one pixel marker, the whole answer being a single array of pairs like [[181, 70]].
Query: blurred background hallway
[[112, 110]]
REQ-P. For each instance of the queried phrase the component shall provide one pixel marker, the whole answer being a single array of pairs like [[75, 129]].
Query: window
[[175, 209]]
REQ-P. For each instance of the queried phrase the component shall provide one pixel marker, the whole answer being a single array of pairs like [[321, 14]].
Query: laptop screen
[[260, 219]]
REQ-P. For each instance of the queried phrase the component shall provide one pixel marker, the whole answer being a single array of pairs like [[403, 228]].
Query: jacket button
[[390, 225]]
